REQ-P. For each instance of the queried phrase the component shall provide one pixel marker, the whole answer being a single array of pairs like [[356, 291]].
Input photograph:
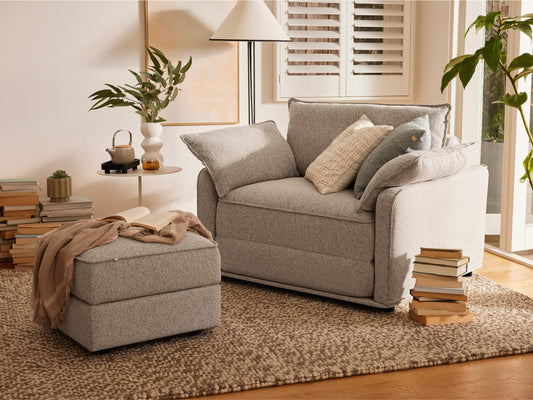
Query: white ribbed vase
[[152, 159]]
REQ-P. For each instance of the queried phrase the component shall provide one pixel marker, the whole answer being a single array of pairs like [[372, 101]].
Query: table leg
[[140, 190]]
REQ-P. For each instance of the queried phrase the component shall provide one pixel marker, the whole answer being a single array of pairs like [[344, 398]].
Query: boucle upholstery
[[336, 167]]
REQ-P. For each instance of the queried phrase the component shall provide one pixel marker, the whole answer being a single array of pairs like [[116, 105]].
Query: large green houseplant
[[152, 92], [464, 66]]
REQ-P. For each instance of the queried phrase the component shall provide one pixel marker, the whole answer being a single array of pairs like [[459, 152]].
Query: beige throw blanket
[[56, 250]]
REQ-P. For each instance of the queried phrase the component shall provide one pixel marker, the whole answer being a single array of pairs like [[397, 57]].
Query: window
[[342, 48]]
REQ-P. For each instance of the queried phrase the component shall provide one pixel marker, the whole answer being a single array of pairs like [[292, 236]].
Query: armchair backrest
[[314, 125]]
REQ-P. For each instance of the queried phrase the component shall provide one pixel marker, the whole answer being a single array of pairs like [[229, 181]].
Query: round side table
[[139, 173]]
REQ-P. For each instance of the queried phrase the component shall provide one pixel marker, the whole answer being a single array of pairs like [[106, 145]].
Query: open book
[[142, 216]]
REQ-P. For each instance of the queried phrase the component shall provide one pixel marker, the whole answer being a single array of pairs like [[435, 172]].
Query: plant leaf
[[115, 88], [137, 76], [524, 27], [478, 23], [160, 54], [454, 61], [155, 61], [468, 67], [492, 52], [515, 100], [528, 167], [524, 73], [522, 61], [187, 66], [490, 18]]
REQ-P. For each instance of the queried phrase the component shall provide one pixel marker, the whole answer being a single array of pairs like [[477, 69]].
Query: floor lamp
[[250, 21]]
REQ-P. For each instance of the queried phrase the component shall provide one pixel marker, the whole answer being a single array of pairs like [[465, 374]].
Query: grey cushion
[[418, 166], [313, 126], [413, 135], [127, 268], [292, 213], [241, 155]]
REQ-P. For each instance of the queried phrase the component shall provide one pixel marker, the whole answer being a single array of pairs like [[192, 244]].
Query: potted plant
[[59, 186], [495, 56], [152, 92]]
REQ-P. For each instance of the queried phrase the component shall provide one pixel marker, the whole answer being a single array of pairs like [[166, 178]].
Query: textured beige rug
[[268, 337]]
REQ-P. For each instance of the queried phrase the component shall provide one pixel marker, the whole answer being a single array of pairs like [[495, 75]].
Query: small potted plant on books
[[59, 186]]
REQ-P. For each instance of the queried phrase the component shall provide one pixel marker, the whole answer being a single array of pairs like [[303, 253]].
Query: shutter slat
[[317, 2], [314, 10], [378, 24], [384, 2], [377, 46], [313, 22], [378, 12], [377, 35], [312, 69], [379, 57], [312, 46], [313, 57], [314, 34], [377, 69]]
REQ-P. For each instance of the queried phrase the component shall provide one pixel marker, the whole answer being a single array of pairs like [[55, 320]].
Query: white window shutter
[[313, 64], [357, 48], [379, 48]]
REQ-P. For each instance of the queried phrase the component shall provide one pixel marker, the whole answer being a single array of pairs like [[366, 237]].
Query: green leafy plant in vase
[[59, 186], [495, 56], [153, 91]]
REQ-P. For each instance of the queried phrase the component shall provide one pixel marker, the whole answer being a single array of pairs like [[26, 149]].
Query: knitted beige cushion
[[336, 167]]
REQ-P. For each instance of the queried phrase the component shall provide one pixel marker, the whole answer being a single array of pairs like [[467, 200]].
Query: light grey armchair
[[273, 227]]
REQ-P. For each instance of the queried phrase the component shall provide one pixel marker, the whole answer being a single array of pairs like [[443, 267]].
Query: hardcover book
[[439, 269], [441, 253], [451, 262], [440, 319], [143, 217]]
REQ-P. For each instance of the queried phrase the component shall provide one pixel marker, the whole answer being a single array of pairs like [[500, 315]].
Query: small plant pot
[[59, 189]]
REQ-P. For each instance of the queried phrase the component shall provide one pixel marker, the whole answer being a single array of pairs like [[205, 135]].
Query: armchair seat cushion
[[291, 213]]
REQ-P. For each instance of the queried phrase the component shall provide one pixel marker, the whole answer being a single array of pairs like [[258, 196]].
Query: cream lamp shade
[[251, 21]]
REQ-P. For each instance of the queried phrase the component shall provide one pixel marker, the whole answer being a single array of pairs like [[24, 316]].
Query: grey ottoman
[[129, 291]]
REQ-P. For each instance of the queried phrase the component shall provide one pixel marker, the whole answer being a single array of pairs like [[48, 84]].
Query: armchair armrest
[[241, 155], [206, 201], [445, 212]]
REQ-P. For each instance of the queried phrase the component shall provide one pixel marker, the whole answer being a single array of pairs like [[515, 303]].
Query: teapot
[[122, 153]]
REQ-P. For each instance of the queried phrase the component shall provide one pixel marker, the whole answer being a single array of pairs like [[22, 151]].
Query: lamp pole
[[251, 82]]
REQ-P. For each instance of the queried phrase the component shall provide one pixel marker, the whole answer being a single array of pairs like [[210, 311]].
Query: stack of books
[[18, 205], [23, 251], [440, 294], [78, 207]]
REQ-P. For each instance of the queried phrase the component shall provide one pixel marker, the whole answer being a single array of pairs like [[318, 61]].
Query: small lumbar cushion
[[411, 136], [241, 155], [336, 167]]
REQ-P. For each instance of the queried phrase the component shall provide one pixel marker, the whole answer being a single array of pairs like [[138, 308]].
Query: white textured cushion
[[241, 155], [336, 167], [418, 166]]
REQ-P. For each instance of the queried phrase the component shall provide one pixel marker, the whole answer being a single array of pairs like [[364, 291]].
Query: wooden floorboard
[[494, 378]]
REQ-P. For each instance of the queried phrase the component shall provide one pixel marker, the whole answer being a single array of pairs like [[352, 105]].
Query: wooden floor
[[495, 378]]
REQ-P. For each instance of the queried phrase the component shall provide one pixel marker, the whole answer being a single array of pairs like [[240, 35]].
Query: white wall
[[54, 54]]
